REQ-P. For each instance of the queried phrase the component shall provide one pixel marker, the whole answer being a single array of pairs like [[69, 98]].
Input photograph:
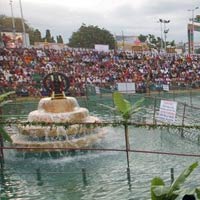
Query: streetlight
[[13, 21], [161, 35], [164, 21], [166, 31], [23, 25], [192, 33]]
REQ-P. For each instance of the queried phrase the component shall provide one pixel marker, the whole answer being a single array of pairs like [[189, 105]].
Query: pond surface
[[99, 175]]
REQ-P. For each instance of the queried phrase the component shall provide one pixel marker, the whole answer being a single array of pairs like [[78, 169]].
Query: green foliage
[[3, 100], [88, 36], [4, 96], [5, 135], [47, 37], [37, 36], [142, 38], [172, 43], [125, 107], [153, 41], [59, 39], [197, 51], [161, 192]]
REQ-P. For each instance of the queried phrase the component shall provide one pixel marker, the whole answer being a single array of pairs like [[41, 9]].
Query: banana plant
[[3, 101], [124, 107], [159, 191]]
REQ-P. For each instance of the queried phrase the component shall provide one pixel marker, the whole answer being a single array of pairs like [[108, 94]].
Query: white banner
[[126, 87], [97, 90], [165, 87], [101, 47], [167, 111]]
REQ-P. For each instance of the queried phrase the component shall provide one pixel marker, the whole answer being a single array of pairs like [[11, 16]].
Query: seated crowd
[[23, 69]]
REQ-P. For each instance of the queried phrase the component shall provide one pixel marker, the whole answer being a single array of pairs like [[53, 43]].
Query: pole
[[165, 32], [154, 111], [192, 31], [192, 46], [1, 145], [164, 36], [172, 175], [23, 25], [161, 42], [183, 120], [1, 151], [127, 143], [39, 177], [84, 176], [13, 21], [123, 40]]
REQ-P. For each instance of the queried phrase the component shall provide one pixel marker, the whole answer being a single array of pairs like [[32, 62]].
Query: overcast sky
[[132, 17]]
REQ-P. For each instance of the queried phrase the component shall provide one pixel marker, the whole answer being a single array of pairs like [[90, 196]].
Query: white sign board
[[101, 47], [126, 87], [97, 90], [167, 112], [165, 87]]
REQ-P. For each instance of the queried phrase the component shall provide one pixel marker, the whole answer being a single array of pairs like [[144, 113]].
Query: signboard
[[101, 47], [165, 87], [126, 87], [11, 40], [167, 112], [46, 45], [97, 90]]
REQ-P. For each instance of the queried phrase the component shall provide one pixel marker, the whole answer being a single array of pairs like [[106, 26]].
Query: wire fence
[[186, 125]]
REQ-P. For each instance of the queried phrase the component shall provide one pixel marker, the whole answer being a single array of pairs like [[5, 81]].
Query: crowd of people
[[23, 69]]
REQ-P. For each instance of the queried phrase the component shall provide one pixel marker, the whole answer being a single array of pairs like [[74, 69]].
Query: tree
[[197, 51], [88, 36], [37, 36], [47, 37], [172, 43], [59, 39], [52, 39], [154, 42], [142, 38]]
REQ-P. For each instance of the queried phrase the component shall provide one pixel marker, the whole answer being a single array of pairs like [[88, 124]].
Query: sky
[[127, 17]]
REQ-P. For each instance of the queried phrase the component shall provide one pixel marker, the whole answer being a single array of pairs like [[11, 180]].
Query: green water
[[105, 178], [106, 172]]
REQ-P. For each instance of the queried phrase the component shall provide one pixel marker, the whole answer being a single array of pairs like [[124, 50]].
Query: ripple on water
[[106, 175]]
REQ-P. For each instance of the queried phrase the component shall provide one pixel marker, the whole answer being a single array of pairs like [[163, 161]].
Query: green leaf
[[197, 190], [5, 135], [122, 105], [182, 177], [125, 107], [5, 95], [109, 107], [157, 189], [138, 103], [135, 110]]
